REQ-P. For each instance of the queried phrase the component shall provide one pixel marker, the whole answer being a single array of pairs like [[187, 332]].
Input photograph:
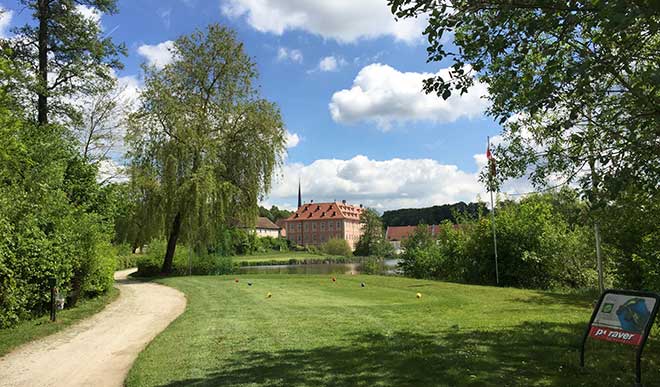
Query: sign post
[[626, 317]]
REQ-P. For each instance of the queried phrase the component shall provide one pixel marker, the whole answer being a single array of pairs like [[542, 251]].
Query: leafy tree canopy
[[574, 82], [204, 143]]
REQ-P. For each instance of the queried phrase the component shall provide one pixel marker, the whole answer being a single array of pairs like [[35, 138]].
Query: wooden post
[[52, 282]]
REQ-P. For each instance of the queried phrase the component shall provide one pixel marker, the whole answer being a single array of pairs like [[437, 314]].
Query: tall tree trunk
[[171, 244], [42, 106]]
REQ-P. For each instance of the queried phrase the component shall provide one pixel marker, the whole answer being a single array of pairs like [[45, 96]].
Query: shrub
[[337, 247], [536, 249], [150, 264]]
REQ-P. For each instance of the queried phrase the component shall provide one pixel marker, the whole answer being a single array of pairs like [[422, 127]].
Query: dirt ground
[[99, 350]]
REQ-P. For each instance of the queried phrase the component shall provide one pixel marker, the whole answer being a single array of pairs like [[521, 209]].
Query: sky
[[348, 80]]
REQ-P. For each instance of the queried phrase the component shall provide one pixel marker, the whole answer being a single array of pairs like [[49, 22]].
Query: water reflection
[[387, 267]]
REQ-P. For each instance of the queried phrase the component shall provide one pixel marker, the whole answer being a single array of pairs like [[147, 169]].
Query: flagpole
[[492, 213]]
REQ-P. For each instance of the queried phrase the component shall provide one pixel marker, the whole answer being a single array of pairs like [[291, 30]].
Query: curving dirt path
[[99, 350]]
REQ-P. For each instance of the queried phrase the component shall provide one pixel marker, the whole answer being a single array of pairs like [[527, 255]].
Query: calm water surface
[[388, 267]]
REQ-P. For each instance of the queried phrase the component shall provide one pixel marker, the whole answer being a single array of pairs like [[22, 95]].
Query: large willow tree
[[204, 142]]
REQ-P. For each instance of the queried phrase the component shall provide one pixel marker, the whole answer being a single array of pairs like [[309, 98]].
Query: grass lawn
[[314, 332], [34, 329], [284, 257]]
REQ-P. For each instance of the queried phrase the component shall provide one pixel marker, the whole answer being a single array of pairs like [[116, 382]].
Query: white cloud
[[5, 20], [159, 55], [89, 13], [165, 16], [385, 185], [111, 171], [331, 63], [384, 95], [341, 20], [292, 140], [294, 55]]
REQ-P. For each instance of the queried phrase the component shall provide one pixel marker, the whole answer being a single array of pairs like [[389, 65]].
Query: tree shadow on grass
[[579, 300], [526, 355]]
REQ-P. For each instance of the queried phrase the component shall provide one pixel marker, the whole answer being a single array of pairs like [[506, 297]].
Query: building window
[[314, 238], [314, 226], [338, 225], [330, 225], [306, 226], [299, 226], [322, 226], [299, 239]]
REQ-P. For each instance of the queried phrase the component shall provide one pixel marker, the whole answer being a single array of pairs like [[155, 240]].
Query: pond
[[387, 267]]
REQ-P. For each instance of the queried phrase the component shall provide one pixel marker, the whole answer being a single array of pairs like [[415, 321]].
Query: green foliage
[[337, 247], [75, 57], [274, 214], [53, 222], [372, 242], [204, 143], [537, 248], [432, 215], [185, 262], [576, 75], [125, 258]]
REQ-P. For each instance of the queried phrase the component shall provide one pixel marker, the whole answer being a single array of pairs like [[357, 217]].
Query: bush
[[124, 257], [537, 248], [337, 247], [150, 264]]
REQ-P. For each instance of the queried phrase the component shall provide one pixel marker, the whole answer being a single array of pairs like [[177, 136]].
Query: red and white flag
[[491, 161]]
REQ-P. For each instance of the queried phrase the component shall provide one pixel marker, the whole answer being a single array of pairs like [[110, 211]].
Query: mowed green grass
[[314, 332], [31, 330]]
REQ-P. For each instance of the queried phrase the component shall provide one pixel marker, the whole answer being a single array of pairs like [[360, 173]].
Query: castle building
[[316, 223]]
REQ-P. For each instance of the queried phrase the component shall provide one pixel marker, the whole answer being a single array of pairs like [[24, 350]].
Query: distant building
[[397, 234], [316, 223], [282, 226], [265, 227]]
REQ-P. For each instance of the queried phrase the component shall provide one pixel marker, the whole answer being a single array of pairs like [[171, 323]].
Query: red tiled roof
[[397, 233], [263, 222], [326, 211]]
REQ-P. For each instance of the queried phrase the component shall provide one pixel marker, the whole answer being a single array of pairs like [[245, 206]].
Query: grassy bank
[[287, 257], [27, 331], [314, 332]]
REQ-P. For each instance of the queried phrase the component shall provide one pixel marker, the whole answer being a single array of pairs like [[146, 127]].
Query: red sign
[[615, 335]]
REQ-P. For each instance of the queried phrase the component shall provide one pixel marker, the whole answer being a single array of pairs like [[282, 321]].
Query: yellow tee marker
[[269, 295], [419, 295]]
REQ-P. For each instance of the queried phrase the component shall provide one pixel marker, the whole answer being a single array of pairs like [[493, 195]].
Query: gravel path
[[99, 350]]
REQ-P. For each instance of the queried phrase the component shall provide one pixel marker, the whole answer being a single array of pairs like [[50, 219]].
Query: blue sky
[[347, 78]]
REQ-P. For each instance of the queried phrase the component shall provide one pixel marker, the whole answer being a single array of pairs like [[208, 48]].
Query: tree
[[204, 142], [575, 84], [65, 52], [102, 120], [372, 241]]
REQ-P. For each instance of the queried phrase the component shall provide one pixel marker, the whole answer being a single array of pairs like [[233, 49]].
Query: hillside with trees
[[433, 215]]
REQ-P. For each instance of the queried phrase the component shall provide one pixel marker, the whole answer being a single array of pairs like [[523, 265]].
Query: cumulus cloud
[[5, 20], [159, 55], [292, 140], [89, 13], [384, 95], [110, 171], [341, 20], [385, 184], [286, 54], [331, 63]]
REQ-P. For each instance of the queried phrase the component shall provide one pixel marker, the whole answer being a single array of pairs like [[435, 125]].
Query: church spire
[[299, 195]]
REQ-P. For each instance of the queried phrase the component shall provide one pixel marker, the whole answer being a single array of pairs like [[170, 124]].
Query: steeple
[[299, 195]]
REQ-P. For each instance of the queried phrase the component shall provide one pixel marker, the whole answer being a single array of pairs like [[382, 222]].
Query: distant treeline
[[274, 214], [432, 215]]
